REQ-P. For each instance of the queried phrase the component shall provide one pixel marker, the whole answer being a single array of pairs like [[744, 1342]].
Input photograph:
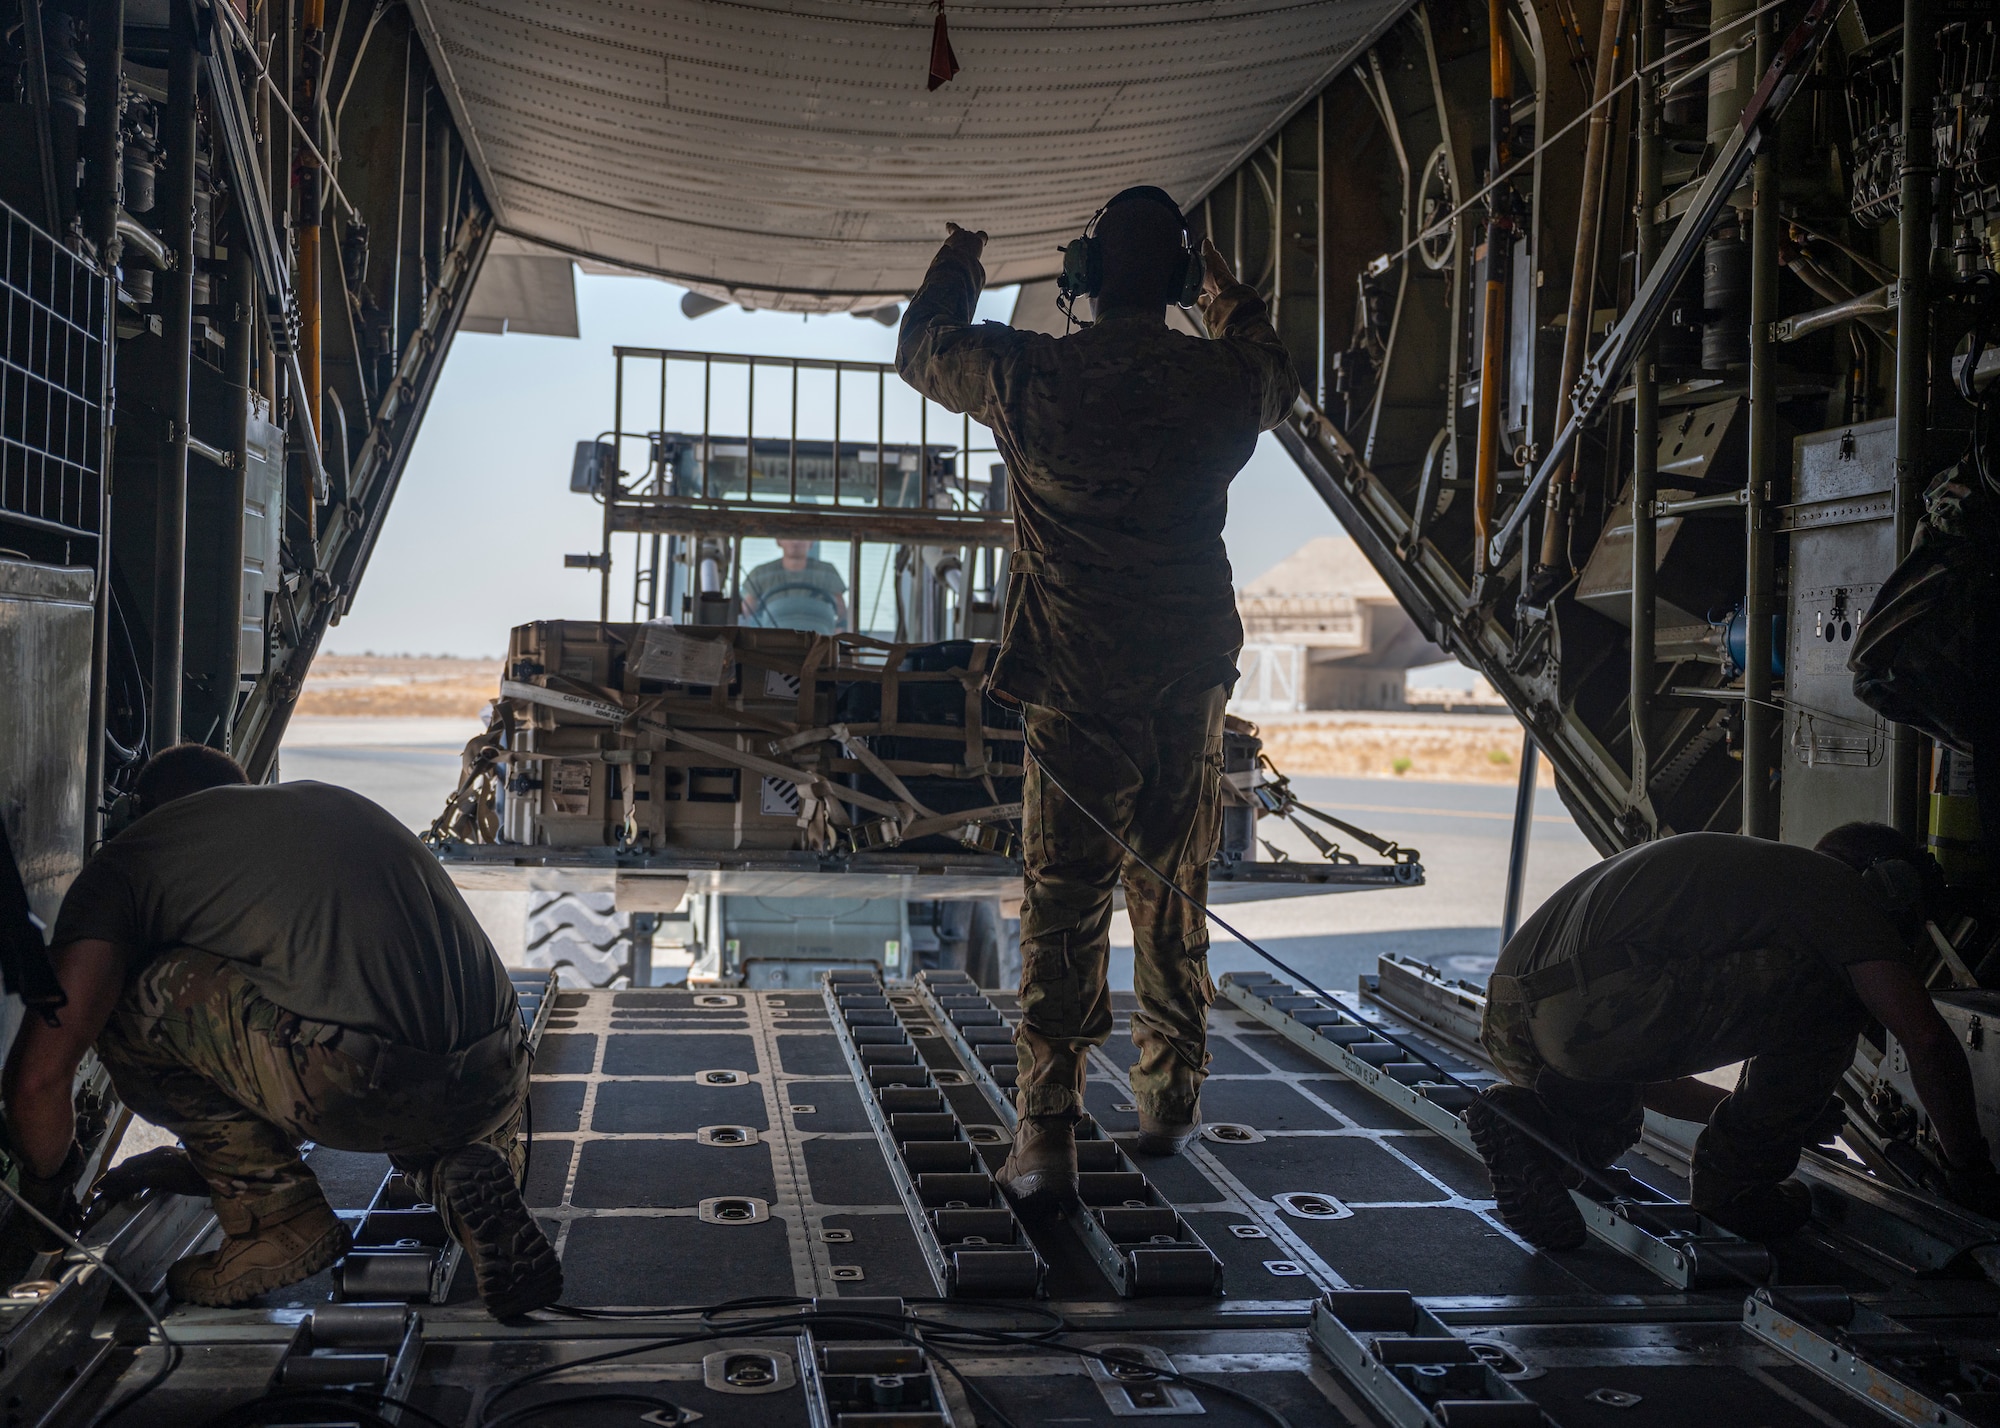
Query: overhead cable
[[1439, 227]]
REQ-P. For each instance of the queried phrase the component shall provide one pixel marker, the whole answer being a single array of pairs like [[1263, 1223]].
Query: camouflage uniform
[[1120, 638], [1153, 778], [194, 1047], [1610, 1009]]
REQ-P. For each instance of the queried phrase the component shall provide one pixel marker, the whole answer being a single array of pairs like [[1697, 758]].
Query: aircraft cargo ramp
[[822, 1157]]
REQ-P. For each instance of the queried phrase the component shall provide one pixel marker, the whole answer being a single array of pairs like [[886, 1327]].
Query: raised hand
[[1215, 272], [969, 240]]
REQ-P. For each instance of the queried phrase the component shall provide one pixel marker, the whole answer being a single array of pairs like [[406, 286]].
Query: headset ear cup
[[1899, 888], [1083, 267]]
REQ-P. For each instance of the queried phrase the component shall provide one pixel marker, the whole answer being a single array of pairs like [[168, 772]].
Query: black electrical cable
[[647, 1401], [753, 1301], [168, 1365], [174, 1354], [580, 1311], [528, 1122], [924, 1333], [970, 1389], [1055, 1321], [304, 1406]]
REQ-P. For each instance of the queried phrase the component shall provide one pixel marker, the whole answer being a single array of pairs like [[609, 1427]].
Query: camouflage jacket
[[1120, 441]]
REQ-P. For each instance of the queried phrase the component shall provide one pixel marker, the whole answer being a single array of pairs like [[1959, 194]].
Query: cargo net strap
[[1270, 793], [641, 721], [822, 760]]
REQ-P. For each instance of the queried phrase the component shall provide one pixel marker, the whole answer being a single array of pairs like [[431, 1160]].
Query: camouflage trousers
[[194, 1047], [1152, 775], [1589, 1053]]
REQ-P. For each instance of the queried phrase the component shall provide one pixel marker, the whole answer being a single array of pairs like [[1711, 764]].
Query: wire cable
[[242, 41], [283, 1405], [1437, 228], [96, 1257], [920, 1332], [650, 1402]]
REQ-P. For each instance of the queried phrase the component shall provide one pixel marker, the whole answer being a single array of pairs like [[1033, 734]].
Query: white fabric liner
[[789, 156]]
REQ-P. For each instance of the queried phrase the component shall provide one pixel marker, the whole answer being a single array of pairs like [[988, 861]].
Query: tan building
[[1321, 630]]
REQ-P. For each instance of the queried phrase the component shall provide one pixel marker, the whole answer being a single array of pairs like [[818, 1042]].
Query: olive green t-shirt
[[1707, 895], [819, 582], [331, 907]]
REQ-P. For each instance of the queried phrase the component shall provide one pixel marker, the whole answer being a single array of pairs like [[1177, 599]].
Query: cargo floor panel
[[1350, 1167], [810, 1055], [674, 1107], [824, 1106], [881, 1247], [848, 1172], [555, 1106], [694, 1147], [566, 1053], [677, 1053], [665, 1174], [1445, 1249], [629, 1259]]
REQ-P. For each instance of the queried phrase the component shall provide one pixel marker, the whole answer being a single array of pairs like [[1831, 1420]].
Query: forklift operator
[[264, 966], [796, 592], [1693, 953], [1120, 638]]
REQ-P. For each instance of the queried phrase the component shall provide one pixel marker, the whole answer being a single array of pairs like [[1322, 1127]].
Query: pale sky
[[475, 538]]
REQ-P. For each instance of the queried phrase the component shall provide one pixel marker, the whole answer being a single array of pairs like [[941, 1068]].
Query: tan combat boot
[[512, 1259], [1040, 1172], [1166, 1135], [262, 1249]]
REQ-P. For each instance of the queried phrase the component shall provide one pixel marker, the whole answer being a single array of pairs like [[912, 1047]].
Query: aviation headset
[[1903, 892], [1083, 258]]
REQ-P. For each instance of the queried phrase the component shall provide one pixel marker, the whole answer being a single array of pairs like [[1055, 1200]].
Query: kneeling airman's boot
[[512, 1259], [1040, 1172], [1531, 1183], [1762, 1212], [263, 1248]]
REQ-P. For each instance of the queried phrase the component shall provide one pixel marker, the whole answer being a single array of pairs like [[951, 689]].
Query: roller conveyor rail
[[1141, 1242], [776, 1147], [374, 1348], [1854, 1212], [1685, 1250], [852, 1375], [970, 1237], [1914, 1377], [1413, 1369]]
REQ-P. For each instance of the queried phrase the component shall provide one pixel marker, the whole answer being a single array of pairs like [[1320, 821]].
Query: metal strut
[[1608, 366]]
